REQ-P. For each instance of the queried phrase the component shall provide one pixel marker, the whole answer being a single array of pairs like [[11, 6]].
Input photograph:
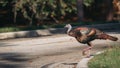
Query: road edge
[[51, 31], [83, 63]]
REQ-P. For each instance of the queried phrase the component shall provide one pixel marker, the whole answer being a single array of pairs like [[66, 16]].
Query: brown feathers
[[86, 35], [106, 36]]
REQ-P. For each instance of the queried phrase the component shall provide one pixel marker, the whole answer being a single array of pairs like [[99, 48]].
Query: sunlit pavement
[[59, 51]]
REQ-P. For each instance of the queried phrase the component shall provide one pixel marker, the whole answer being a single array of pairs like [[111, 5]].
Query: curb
[[32, 33], [83, 63], [52, 31]]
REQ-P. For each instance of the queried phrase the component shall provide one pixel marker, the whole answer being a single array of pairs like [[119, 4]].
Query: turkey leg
[[88, 49]]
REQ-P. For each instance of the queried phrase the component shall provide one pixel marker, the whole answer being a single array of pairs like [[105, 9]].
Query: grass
[[109, 59], [14, 28], [23, 28], [8, 29]]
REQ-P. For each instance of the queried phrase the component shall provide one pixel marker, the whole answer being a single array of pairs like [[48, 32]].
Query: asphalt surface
[[58, 51]]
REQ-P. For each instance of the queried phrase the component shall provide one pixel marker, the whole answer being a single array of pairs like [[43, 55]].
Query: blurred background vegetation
[[22, 13]]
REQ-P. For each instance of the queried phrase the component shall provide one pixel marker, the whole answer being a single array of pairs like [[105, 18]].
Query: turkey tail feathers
[[105, 36], [112, 38]]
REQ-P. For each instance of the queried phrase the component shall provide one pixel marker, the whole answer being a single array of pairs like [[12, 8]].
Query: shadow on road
[[12, 60], [5, 44]]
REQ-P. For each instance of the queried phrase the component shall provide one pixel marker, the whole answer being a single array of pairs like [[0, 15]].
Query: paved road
[[60, 51]]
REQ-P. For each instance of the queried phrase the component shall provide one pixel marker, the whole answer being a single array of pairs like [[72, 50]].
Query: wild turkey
[[85, 35]]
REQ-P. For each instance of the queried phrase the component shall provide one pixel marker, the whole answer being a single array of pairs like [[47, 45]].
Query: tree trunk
[[15, 15], [31, 20], [109, 16], [80, 10]]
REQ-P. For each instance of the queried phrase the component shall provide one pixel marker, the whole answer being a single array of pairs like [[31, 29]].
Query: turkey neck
[[69, 29]]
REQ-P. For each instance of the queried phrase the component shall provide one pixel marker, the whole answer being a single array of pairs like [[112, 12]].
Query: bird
[[86, 35]]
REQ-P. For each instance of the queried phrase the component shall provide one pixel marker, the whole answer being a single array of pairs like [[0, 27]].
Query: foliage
[[88, 2], [35, 12], [39, 9]]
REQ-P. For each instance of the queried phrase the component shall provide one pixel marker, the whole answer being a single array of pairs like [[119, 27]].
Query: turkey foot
[[86, 52]]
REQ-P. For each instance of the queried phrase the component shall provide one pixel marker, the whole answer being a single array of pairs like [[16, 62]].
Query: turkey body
[[85, 35], [81, 35]]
